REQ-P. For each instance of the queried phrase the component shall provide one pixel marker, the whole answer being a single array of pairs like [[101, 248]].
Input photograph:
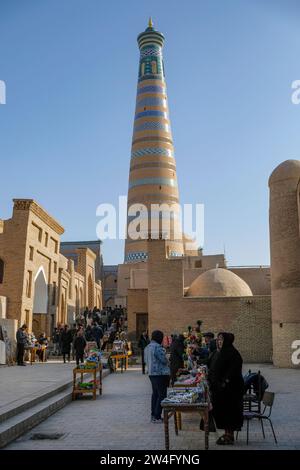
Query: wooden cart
[[33, 354], [120, 360], [77, 390]]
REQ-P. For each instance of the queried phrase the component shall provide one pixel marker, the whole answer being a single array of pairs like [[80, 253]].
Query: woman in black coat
[[66, 340], [227, 389], [176, 358]]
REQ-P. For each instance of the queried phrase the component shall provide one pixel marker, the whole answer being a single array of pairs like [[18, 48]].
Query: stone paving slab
[[18, 384], [120, 419]]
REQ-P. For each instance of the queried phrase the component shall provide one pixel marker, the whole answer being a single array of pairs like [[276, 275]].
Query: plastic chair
[[268, 400]]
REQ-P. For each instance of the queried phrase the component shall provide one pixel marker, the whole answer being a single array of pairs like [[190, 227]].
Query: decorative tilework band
[[151, 89], [147, 77], [153, 165], [152, 125], [159, 181], [151, 51], [150, 101], [151, 113], [136, 256], [152, 138], [152, 198], [152, 151]]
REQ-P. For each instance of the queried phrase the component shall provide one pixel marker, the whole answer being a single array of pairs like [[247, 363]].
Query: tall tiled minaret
[[152, 177]]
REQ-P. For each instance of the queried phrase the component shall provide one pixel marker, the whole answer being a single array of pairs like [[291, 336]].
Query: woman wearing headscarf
[[227, 388], [159, 373]]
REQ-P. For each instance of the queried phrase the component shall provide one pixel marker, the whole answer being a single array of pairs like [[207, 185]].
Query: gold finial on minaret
[[150, 23]]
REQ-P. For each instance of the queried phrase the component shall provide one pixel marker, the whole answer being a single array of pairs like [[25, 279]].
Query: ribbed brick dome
[[219, 282]]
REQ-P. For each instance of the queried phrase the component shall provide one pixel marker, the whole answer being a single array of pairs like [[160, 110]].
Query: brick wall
[[258, 279], [248, 318], [29, 242]]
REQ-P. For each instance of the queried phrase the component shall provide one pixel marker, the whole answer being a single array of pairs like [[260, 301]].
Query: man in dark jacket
[[176, 358], [97, 334], [73, 333], [55, 341], [79, 346], [66, 340], [21, 337], [89, 334], [142, 344]]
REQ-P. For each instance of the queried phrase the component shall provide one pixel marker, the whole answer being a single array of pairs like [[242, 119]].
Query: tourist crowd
[[99, 326]]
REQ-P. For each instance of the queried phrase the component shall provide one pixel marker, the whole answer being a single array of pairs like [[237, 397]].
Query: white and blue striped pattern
[[152, 151], [159, 181], [152, 125], [138, 256]]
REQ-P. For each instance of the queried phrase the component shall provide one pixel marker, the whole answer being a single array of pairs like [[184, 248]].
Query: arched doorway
[[36, 327], [40, 299], [90, 293], [40, 303]]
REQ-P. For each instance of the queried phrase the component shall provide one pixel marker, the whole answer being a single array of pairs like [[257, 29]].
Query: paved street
[[20, 383], [120, 419]]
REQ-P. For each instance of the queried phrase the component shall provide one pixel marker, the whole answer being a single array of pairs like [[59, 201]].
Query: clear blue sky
[[70, 68]]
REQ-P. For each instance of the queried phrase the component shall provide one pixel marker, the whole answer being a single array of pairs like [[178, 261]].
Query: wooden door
[[141, 324]]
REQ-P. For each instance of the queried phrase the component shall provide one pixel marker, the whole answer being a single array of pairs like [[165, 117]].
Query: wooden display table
[[173, 409], [178, 413], [33, 354], [77, 390], [121, 360]]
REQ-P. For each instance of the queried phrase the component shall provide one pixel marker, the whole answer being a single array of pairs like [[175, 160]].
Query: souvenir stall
[[92, 366], [35, 349], [190, 392], [118, 357]]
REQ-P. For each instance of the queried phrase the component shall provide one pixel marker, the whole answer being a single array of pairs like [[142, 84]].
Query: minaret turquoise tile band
[[152, 177]]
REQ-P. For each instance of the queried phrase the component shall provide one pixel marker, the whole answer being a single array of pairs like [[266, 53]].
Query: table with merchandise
[[92, 366], [119, 355], [189, 395]]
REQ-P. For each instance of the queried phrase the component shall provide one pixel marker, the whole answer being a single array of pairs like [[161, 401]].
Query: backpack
[[256, 382]]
